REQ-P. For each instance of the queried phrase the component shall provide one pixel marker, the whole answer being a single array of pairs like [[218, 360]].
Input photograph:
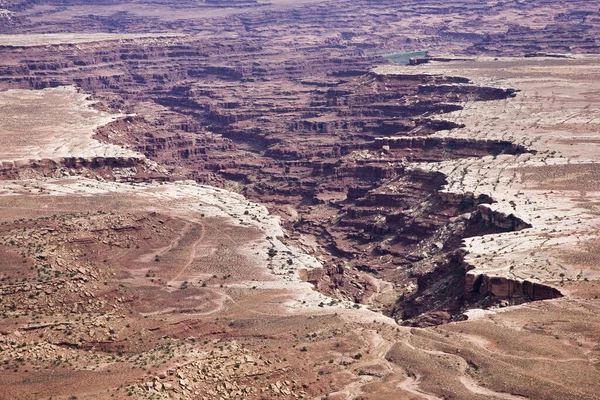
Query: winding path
[[191, 257]]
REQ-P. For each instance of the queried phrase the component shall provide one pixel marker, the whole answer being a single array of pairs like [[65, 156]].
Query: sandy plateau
[[52, 124], [49, 39], [554, 188]]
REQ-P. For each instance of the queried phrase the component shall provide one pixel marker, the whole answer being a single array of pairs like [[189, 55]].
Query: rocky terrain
[[247, 199]]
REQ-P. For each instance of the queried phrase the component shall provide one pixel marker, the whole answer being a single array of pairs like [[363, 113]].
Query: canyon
[[248, 199]]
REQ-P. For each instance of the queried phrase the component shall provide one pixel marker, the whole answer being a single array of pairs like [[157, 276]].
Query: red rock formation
[[480, 285]]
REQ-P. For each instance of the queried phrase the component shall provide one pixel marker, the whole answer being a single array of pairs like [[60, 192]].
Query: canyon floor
[[249, 200]]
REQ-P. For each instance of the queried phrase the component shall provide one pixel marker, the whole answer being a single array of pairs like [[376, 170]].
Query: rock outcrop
[[479, 286]]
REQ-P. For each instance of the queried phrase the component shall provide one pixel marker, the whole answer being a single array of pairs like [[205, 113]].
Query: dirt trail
[[144, 258], [411, 385], [485, 345], [474, 387], [469, 383], [219, 303], [379, 347], [191, 257]]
